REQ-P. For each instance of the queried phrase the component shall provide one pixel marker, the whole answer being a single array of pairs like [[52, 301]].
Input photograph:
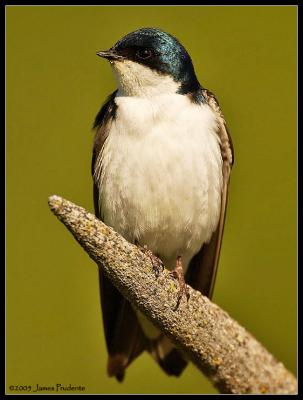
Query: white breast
[[160, 175]]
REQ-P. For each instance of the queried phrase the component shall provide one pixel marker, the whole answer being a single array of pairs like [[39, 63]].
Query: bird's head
[[150, 62]]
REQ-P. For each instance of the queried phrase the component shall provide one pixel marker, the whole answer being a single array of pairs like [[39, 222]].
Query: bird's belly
[[162, 189]]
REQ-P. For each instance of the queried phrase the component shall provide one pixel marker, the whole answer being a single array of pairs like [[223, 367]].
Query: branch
[[222, 349]]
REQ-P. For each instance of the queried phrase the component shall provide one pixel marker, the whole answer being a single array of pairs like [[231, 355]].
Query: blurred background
[[55, 85]]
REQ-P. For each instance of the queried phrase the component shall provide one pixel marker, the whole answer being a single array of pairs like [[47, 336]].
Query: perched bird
[[161, 164]]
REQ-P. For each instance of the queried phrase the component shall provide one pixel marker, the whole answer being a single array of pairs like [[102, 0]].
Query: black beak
[[109, 55]]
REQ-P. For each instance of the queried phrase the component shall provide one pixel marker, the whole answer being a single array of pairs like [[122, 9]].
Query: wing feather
[[201, 273], [123, 334], [202, 270]]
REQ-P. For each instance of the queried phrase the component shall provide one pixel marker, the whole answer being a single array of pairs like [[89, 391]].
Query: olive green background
[[55, 86]]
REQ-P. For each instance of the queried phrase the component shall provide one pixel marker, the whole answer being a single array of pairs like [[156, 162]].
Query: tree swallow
[[162, 158]]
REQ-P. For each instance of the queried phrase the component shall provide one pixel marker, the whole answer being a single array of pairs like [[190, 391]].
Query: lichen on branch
[[218, 345]]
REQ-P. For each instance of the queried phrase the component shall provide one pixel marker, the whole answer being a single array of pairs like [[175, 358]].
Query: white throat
[[137, 80]]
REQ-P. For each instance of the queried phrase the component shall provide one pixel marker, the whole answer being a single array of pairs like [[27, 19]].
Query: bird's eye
[[144, 54]]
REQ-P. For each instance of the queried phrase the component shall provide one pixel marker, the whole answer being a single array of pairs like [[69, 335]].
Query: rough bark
[[221, 348]]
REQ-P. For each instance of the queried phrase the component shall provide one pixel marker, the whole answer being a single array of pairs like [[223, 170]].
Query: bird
[[161, 163]]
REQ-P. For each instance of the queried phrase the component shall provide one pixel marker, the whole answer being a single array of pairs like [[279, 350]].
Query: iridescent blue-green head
[[150, 61]]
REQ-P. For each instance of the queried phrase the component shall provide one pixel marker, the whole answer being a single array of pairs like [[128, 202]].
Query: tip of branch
[[55, 202]]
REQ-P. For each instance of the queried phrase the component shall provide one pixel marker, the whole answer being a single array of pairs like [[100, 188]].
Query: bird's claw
[[178, 274], [157, 264]]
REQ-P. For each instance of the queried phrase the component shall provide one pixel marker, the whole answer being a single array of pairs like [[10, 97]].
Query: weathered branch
[[222, 349]]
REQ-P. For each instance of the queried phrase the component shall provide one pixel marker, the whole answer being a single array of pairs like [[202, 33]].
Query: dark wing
[[123, 334], [202, 270]]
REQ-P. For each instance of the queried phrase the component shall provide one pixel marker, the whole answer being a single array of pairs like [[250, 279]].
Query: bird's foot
[[157, 264], [178, 274]]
